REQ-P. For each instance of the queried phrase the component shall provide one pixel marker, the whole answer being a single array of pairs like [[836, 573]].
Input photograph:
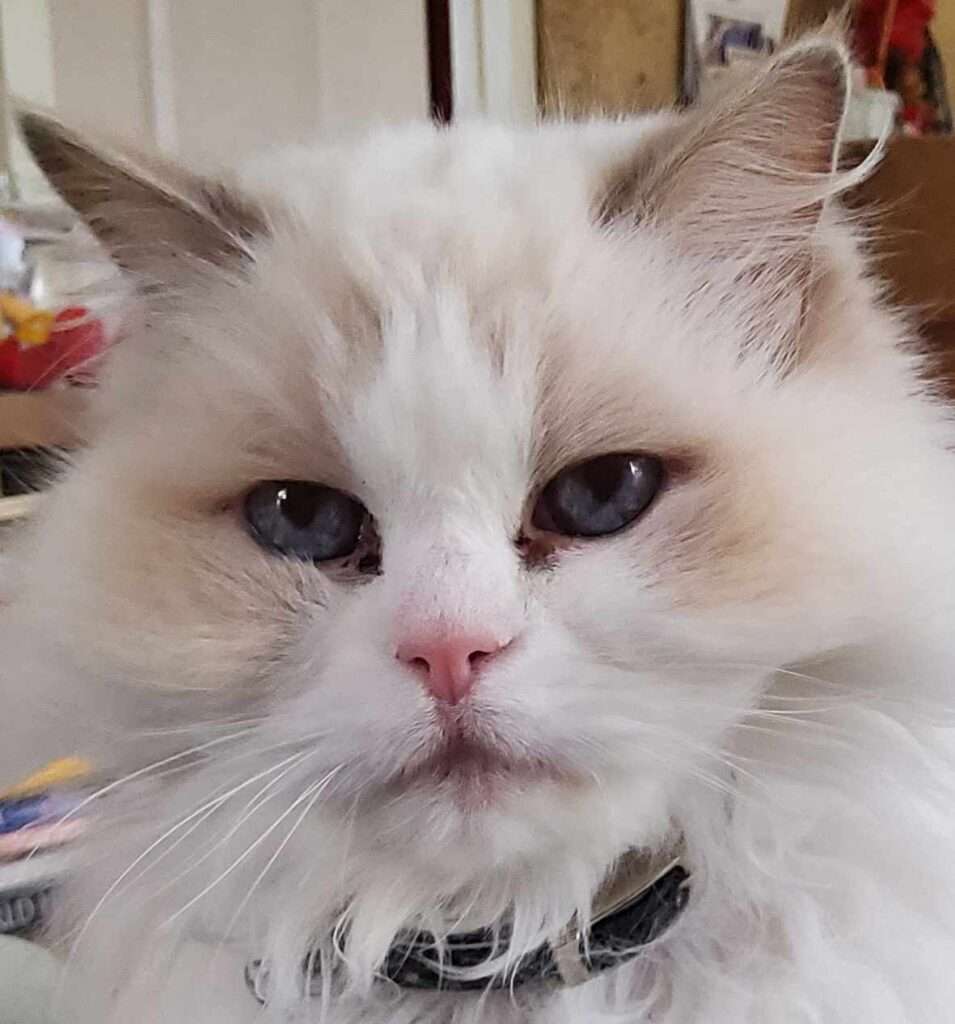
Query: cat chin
[[453, 828], [474, 774], [473, 790]]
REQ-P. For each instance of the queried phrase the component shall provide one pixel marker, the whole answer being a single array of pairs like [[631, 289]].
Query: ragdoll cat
[[471, 518]]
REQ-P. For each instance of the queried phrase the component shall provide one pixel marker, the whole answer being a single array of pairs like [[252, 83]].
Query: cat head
[[485, 478]]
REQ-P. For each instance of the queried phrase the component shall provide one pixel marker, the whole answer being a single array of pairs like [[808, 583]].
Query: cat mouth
[[462, 756], [476, 768]]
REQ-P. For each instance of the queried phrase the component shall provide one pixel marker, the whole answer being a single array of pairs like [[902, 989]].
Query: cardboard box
[[910, 201]]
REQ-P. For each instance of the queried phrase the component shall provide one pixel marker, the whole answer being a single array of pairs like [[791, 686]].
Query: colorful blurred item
[[28, 325], [41, 347], [64, 771], [41, 817], [893, 41], [38, 813]]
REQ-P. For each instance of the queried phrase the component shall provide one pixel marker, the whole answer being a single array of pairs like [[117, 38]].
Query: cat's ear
[[741, 185], [152, 216]]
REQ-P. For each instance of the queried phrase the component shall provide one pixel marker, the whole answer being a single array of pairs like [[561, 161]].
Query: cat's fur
[[438, 321]]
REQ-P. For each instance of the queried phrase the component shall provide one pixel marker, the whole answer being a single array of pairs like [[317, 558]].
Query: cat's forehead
[[462, 179], [452, 310], [484, 353], [502, 222]]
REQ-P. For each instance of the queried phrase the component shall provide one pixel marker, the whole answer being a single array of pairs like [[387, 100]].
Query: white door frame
[[494, 59], [162, 96]]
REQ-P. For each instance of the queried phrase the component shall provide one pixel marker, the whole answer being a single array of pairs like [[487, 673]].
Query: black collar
[[640, 900]]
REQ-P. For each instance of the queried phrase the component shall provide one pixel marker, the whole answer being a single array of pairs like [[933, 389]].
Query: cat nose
[[449, 664]]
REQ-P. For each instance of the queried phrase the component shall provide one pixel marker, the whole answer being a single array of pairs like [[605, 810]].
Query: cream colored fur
[[437, 321]]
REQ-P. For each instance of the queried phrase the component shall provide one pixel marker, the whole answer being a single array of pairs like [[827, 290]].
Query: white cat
[[471, 513]]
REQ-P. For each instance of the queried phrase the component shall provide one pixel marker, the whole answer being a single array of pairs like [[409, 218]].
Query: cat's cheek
[[728, 563], [180, 604]]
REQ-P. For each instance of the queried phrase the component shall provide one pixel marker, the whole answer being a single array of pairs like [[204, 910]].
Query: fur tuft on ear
[[151, 215], [761, 150], [742, 183]]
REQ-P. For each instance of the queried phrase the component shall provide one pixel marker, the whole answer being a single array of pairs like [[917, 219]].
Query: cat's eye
[[304, 520], [599, 496]]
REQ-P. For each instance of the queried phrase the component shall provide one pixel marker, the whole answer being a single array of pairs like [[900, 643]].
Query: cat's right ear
[[754, 167], [153, 217], [742, 184]]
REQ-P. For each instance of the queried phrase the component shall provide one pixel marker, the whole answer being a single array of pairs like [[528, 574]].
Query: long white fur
[[764, 666]]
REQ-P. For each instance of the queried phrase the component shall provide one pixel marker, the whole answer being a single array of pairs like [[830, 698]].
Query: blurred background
[[216, 78], [211, 80]]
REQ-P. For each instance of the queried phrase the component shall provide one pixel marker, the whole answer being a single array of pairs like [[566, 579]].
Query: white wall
[[215, 79], [242, 79], [27, 57], [101, 65], [372, 63], [28, 52]]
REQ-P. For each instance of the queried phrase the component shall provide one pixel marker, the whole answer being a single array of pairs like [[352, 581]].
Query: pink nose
[[449, 663]]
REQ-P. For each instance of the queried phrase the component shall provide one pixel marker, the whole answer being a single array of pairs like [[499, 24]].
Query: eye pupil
[[604, 477], [304, 520], [599, 496], [298, 503]]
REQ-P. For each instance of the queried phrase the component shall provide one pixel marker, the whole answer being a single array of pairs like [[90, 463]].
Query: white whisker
[[140, 772], [202, 812], [250, 850], [316, 792]]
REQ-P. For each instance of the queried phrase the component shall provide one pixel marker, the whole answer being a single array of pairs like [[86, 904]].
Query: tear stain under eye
[[365, 564], [370, 564], [536, 552]]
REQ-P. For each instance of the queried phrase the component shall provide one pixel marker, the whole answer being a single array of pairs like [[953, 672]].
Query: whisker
[[291, 762], [140, 772], [249, 810], [316, 795], [251, 849], [203, 812]]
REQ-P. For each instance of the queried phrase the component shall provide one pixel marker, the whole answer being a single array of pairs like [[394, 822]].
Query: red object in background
[[77, 338], [907, 35]]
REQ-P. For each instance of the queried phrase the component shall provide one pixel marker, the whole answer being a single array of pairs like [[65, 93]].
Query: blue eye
[[304, 520], [599, 496]]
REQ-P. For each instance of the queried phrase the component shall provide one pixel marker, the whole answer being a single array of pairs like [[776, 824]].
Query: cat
[[469, 512]]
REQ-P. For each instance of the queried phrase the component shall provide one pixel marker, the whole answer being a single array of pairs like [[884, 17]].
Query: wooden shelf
[[39, 419]]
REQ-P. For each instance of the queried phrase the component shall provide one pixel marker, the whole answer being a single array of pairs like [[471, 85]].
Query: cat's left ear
[[741, 185], [155, 218]]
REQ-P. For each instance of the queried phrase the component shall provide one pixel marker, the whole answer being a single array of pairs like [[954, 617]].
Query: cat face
[[492, 469]]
